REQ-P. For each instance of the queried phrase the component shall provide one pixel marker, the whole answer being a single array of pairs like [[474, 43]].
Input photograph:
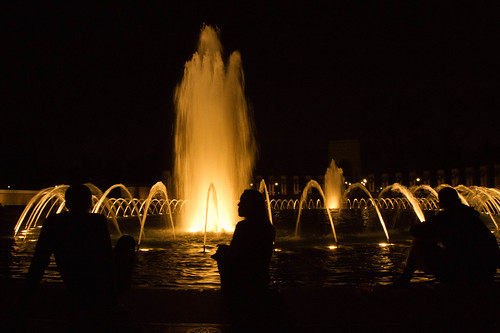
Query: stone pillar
[[398, 178], [412, 179], [484, 175], [296, 185], [371, 183], [283, 185], [441, 177], [455, 177], [385, 180], [271, 188], [497, 175], [426, 178], [469, 176]]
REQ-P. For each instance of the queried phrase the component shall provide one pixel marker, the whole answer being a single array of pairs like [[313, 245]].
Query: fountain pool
[[313, 258], [182, 263], [341, 236]]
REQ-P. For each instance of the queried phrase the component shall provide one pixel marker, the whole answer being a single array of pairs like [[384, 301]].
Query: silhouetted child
[[455, 246], [124, 258]]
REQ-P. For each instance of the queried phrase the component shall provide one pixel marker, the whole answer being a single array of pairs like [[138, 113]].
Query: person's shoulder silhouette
[[244, 264], [81, 245]]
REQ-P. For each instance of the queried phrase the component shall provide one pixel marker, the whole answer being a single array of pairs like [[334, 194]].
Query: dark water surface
[[183, 264]]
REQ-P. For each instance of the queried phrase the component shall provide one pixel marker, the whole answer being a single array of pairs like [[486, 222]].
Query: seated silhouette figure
[[455, 245], [81, 245], [244, 264]]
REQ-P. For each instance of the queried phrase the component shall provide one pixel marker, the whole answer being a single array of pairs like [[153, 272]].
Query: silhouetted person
[[244, 264], [455, 246], [81, 244], [82, 249]]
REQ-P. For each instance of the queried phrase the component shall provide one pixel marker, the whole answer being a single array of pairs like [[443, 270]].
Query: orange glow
[[334, 186], [214, 145]]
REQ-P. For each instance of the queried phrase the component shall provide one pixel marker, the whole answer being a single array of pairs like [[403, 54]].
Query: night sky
[[87, 88]]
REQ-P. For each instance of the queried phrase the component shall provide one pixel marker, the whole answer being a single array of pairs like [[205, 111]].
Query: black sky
[[87, 88]]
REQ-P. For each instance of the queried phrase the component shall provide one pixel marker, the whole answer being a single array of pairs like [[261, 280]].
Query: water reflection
[[182, 264]]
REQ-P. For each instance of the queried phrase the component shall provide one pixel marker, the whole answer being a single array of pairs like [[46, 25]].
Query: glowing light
[[214, 144], [383, 244], [142, 249], [334, 177], [332, 247]]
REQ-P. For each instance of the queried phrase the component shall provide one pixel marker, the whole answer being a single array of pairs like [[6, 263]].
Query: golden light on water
[[332, 247], [214, 145]]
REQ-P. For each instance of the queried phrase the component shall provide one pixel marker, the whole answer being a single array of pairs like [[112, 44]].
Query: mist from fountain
[[334, 186], [214, 143]]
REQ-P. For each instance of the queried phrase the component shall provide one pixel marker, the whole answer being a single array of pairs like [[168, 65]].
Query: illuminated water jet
[[214, 143], [263, 190], [379, 214], [334, 186], [314, 184], [409, 196]]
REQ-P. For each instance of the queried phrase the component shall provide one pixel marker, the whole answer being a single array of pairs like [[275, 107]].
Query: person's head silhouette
[[252, 204], [448, 198], [78, 198]]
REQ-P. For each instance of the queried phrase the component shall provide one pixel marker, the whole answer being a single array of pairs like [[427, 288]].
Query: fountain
[[303, 197], [214, 143], [375, 261], [334, 186], [379, 214], [409, 196], [215, 151], [263, 190]]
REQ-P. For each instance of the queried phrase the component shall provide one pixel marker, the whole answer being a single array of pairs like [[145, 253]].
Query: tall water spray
[[334, 186], [214, 143]]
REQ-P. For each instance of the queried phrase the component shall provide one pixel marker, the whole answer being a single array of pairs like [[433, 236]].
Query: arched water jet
[[379, 214], [425, 187], [103, 199], [158, 188], [263, 190], [37, 204], [211, 189], [472, 196], [409, 196], [303, 197]]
